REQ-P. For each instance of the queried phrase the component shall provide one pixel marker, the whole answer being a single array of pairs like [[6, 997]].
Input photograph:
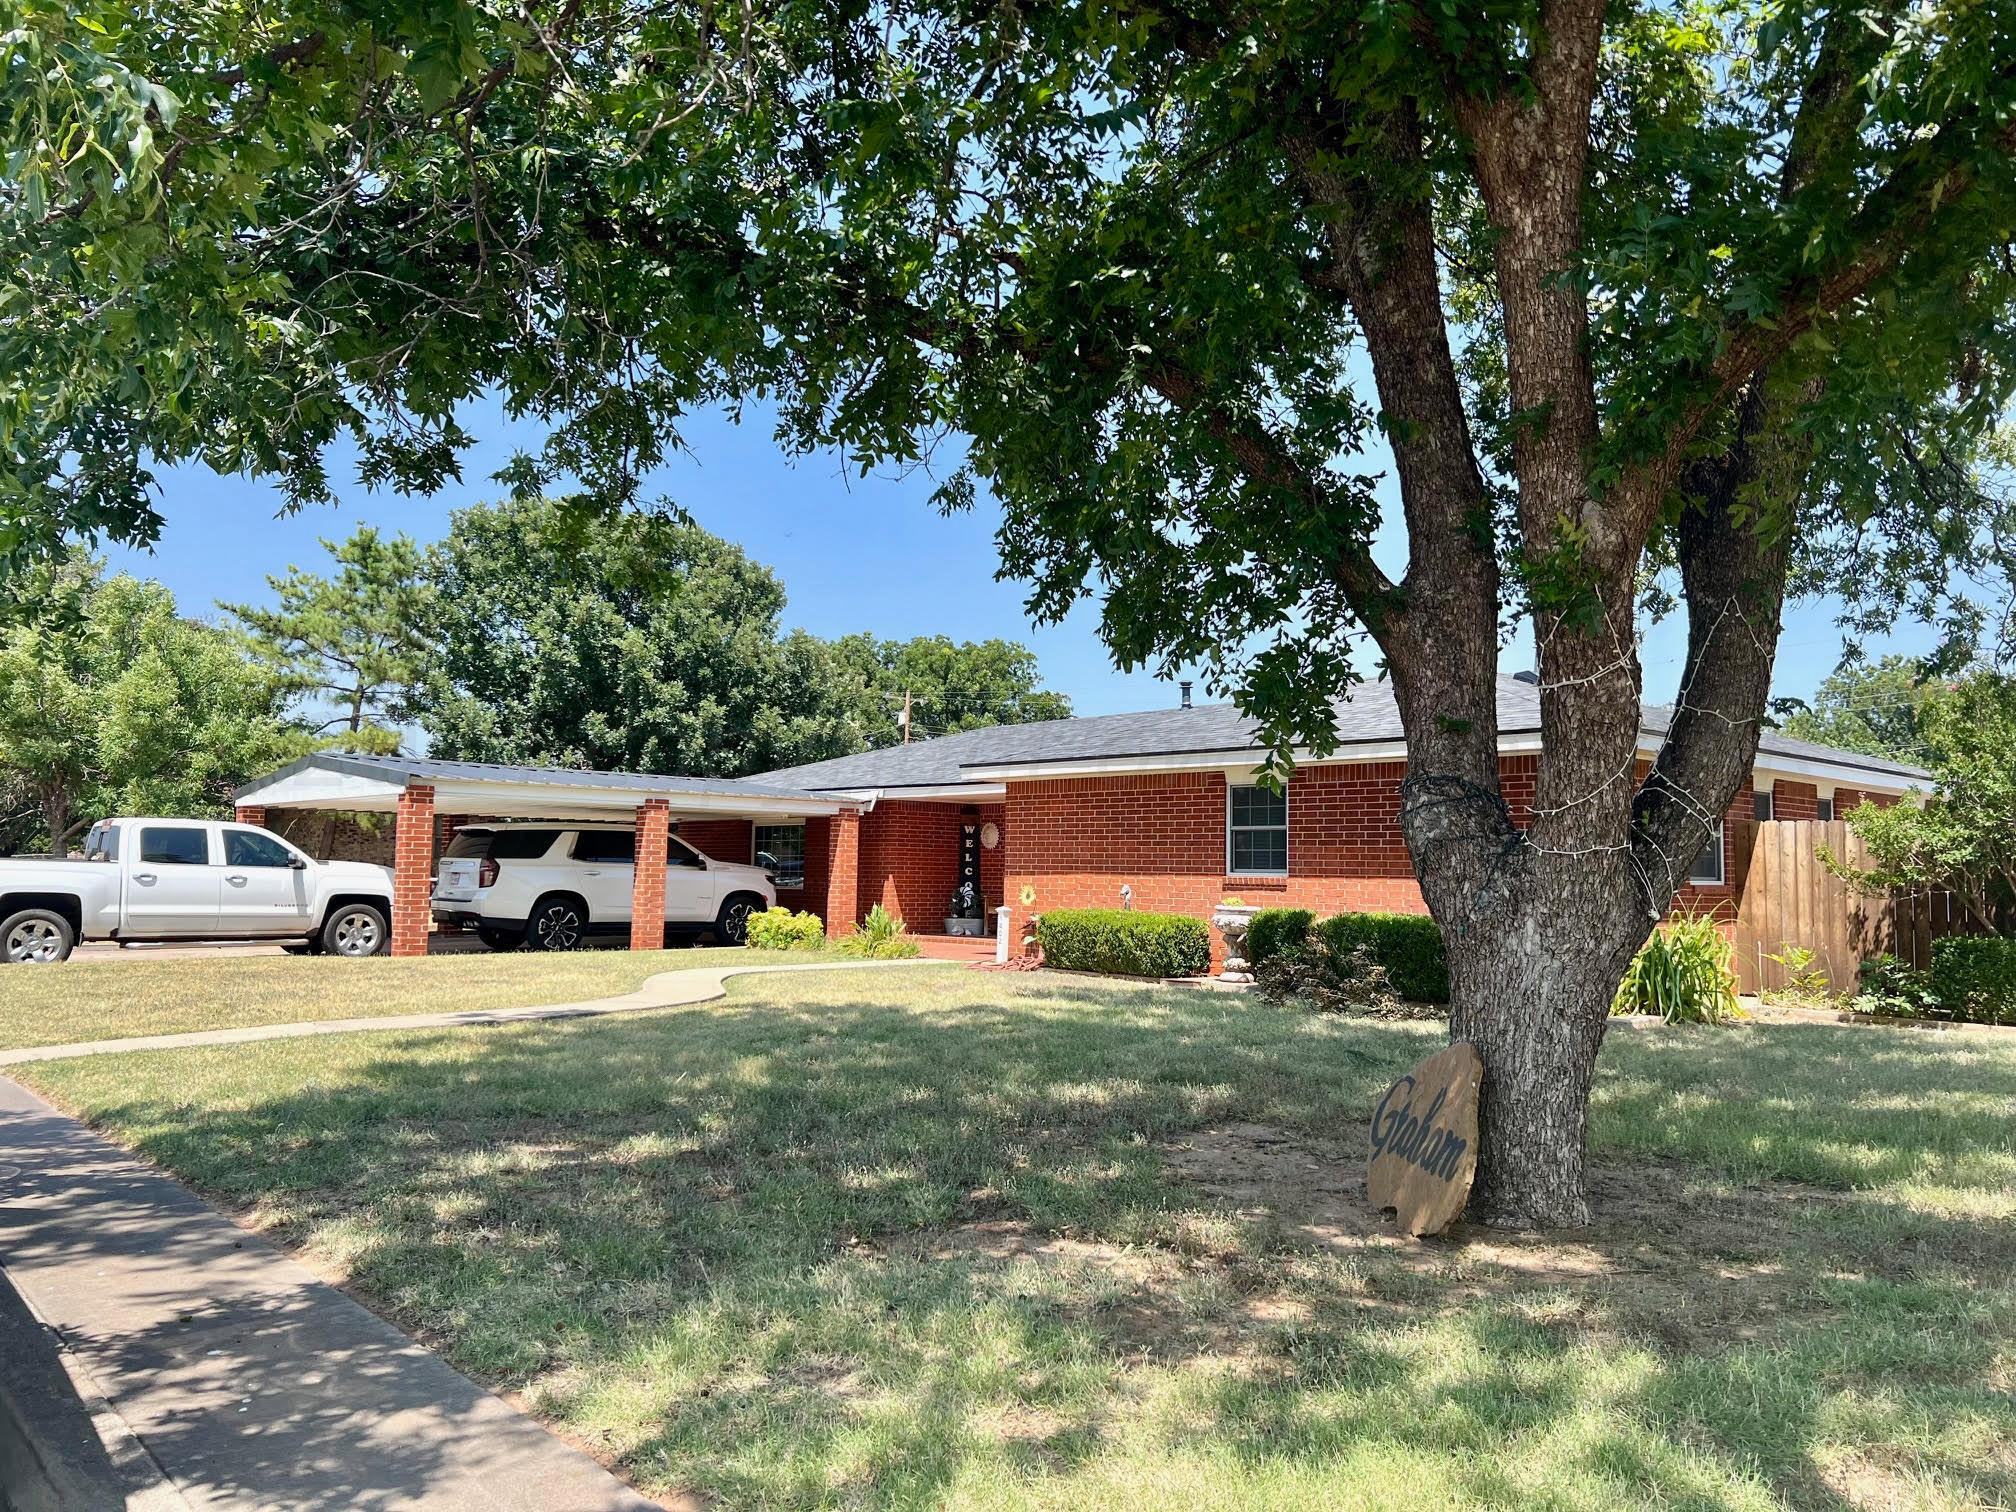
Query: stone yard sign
[[1424, 1141]]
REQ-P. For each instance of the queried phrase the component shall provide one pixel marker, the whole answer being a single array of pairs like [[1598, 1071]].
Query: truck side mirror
[[298, 863]]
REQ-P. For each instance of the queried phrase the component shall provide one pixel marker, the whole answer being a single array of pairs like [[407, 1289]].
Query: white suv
[[552, 885]]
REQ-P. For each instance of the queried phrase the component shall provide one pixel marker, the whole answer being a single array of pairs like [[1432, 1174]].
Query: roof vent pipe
[[1185, 687]]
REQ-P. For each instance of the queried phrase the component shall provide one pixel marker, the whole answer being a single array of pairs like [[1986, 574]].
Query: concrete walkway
[[244, 1380], [668, 989]]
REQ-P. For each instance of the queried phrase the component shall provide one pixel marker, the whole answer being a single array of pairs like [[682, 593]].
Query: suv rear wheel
[[558, 923]]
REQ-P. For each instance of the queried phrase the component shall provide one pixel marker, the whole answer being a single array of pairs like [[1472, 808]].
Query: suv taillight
[[486, 874]]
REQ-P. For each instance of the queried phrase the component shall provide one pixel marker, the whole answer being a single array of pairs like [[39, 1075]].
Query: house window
[[780, 851], [1256, 832], [1707, 868], [1763, 810], [1826, 807]]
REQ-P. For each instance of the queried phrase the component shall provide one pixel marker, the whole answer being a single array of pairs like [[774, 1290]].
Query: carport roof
[[346, 779]]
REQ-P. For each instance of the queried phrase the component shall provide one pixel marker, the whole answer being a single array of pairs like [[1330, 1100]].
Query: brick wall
[[722, 839], [1848, 799], [1075, 842], [336, 837], [1794, 800]]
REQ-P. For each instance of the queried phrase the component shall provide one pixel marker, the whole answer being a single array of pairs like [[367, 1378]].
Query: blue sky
[[853, 554]]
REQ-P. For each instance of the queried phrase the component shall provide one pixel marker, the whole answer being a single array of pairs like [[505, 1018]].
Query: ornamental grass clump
[[1685, 973], [879, 937]]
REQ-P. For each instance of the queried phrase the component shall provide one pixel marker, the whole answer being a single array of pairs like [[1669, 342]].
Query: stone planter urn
[[1232, 920]]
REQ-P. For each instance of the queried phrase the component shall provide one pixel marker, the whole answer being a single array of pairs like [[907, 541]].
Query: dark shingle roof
[[1369, 717]]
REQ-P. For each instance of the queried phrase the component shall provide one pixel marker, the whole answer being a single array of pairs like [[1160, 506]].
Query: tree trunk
[[56, 817], [1532, 992]]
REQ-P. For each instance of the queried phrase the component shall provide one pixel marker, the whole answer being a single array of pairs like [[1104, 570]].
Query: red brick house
[[1068, 812], [1164, 803]]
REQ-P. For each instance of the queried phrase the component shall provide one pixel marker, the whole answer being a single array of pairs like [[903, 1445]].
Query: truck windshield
[[102, 844]]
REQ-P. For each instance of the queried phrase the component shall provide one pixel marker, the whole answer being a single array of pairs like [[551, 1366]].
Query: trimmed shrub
[[1685, 973], [1974, 977], [1409, 946], [781, 929], [879, 937], [1274, 930], [1124, 943]]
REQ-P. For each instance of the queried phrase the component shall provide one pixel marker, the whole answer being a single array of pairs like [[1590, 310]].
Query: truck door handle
[[146, 877], [591, 874], [235, 881]]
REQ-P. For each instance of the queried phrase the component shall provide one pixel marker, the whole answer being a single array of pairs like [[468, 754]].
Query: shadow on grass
[[685, 1228]]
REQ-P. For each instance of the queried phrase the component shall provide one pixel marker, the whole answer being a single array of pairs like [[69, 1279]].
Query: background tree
[[130, 708], [1964, 840], [1874, 707], [951, 685], [637, 643], [354, 643], [1718, 292]]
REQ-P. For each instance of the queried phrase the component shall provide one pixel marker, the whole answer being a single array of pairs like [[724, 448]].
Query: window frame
[[253, 833], [1824, 808], [1763, 806], [1718, 845], [574, 850], [1231, 829], [674, 845], [756, 849], [210, 847]]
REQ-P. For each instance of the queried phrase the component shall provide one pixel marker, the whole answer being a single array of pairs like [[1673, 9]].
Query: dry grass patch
[[958, 1239]]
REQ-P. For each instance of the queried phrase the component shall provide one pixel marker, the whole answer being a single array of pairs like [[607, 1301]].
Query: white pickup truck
[[190, 879]]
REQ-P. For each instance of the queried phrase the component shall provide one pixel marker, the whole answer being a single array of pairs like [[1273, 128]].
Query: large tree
[[1877, 707], [1714, 293], [353, 644], [944, 686], [120, 705], [638, 643]]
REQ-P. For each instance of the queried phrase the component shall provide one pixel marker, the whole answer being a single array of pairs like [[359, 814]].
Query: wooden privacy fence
[[1789, 897]]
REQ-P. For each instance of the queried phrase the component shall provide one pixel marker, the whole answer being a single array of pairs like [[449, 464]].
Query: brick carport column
[[843, 872], [251, 813], [412, 869], [647, 886]]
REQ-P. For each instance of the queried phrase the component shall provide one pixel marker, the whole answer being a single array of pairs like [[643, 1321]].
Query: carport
[[414, 790]]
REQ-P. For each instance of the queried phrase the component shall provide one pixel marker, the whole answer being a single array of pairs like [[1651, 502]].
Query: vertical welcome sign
[[1424, 1141]]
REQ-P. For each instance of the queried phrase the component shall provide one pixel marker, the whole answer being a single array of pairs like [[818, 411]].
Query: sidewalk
[[248, 1382]]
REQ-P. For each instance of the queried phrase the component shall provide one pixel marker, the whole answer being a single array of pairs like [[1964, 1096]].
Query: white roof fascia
[[318, 787]]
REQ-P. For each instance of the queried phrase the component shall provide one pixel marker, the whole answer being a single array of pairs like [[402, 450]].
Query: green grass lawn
[[946, 1238], [99, 998]]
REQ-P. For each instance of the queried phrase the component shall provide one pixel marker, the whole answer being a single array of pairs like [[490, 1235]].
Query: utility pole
[[906, 716]]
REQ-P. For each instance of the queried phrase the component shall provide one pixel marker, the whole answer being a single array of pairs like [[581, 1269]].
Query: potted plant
[[963, 915], [1232, 918]]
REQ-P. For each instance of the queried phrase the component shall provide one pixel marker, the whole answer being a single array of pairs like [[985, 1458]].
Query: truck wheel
[[35, 937], [558, 923], [732, 927], [500, 939], [356, 929]]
